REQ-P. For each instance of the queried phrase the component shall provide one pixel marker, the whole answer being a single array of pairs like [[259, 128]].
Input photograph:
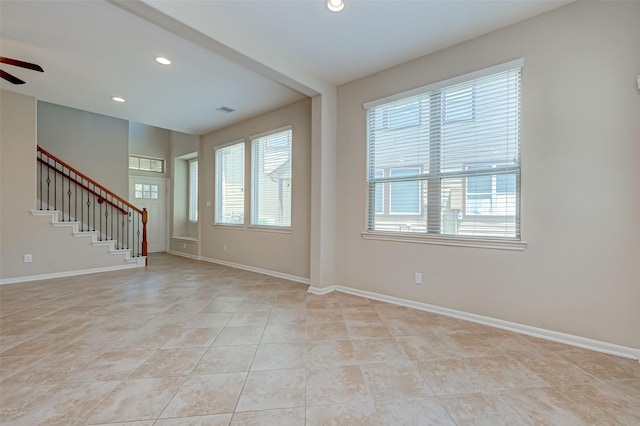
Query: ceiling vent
[[225, 109]]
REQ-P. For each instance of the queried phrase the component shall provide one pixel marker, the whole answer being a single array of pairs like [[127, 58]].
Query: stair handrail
[[142, 212], [85, 187]]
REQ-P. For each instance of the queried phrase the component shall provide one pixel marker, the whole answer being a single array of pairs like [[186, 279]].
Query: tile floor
[[193, 343]]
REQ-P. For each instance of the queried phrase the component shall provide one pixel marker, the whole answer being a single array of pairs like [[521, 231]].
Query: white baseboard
[[556, 336], [276, 274], [188, 255], [71, 273]]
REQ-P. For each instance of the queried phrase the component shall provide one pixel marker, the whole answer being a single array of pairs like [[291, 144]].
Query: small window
[[146, 191], [230, 184], [146, 164], [193, 190]]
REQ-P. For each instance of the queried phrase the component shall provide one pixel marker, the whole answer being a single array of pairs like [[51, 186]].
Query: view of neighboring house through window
[[445, 159], [193, 190], [146, 164], [271, 179], [229, 180]]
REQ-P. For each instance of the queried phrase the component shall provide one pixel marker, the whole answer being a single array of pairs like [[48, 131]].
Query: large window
[[230, 184], [271, 179], [193, 190], [445, 159]]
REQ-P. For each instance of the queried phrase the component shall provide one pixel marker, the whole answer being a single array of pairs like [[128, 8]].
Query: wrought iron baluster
[[40, 178], [48, 184]]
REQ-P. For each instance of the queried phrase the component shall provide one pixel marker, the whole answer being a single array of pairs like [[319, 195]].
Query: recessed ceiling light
[[163, 61], [335, 5], [117, 98]]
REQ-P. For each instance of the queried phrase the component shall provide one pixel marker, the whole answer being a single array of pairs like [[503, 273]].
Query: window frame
[[217, 220], [435, 236], [255, 189], [192, 207]]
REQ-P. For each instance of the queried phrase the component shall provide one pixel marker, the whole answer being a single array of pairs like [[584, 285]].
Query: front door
[[151, 193]]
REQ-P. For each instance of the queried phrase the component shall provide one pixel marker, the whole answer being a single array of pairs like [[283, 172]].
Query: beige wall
[[281, 252], [182, 144], [53, 250], [580, 199], [95, 144], [150, 141], [17, 180]]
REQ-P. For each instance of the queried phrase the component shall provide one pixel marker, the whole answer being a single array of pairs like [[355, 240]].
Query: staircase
[[89, 210]]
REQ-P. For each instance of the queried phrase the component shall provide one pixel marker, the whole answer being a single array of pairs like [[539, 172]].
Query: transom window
[[445, 159], [146, 164]]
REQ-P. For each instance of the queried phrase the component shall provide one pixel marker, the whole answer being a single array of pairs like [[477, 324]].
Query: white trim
[[188, 255], [276, 274], [556, 336], [514, 64], [273, 229], [322, 291], [71, 273], [272, 132], [456, 241]]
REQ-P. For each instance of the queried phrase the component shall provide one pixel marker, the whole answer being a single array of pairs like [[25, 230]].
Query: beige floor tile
[[14, 397], [65, 404], [327, 331], [552, 368], [451, 375], [209, 320], [280, 316], [358, 413], [271, 389], [115, 365], [245, 335], [546, 406], [192, 338], [282, 417], [378, 350], [418, 411], [140, 399], [169, 363], [244, 347], [207, 394], [279, 356], [481, 409], [603, 366], [604, 402], [426, 346], [287, 333], [249, 318], [335, 385], [330, 353], [394, 380], [213, 420], [319, 316], [226, 359]]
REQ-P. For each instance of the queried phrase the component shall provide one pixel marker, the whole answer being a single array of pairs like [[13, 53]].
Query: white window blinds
[[193, 190], [230, 184], [446, 159], [271, 179]]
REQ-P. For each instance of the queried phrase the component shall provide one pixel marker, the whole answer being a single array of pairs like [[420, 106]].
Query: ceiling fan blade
[[22, 64], [10, 78]]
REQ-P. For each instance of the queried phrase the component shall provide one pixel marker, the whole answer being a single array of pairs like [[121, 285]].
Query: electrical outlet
[[28, 258], [418, 278], [225, 247], [184, 245]]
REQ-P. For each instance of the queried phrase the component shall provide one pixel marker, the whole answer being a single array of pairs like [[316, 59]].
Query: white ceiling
[[92, 50]]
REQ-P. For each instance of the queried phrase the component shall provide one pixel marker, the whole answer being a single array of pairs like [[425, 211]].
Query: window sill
[[186, 239], [487, 243], [274, 229]]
